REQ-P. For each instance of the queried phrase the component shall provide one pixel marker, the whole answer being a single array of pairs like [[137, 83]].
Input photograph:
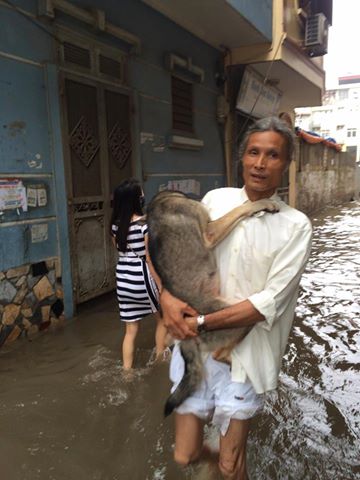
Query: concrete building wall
[[150, 82], [34, 244], [324, 177]]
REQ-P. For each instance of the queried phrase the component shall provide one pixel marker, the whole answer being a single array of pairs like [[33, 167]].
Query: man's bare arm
[[242, 314], [174, 312], [181, 319]]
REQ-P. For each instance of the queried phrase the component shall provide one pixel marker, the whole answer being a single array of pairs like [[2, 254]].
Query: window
[[343, 94], [351, 132], [79, 52], [182, 105], [76, 55]]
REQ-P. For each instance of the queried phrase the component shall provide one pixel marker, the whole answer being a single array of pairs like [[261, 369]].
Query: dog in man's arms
[[181, 242]]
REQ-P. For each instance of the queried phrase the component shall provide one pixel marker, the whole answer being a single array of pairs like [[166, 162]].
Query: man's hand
[[175, 312]]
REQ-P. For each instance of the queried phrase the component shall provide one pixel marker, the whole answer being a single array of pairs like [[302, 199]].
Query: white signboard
[[255, 98], [189, 185]]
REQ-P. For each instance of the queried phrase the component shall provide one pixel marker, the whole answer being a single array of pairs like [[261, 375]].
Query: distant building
[[338, 117]]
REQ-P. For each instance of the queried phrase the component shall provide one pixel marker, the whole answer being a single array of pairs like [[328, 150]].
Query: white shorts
[[217, 396]]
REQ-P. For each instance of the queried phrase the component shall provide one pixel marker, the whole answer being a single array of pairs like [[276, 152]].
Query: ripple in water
[[319, 393]]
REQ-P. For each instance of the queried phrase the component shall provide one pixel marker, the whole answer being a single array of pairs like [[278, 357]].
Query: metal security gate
[[98, 150]]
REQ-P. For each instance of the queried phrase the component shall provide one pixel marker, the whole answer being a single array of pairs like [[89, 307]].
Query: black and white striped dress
[[136, 289]]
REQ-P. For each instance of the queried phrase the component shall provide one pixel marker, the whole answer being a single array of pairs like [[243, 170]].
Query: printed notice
[[42, 197], [39, 233], [12, 195], [31, 195]]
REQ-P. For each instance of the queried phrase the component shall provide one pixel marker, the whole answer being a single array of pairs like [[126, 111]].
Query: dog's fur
[[181, 241]]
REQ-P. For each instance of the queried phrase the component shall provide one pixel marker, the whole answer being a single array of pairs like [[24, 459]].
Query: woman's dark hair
[[273, 124], [126, 203]]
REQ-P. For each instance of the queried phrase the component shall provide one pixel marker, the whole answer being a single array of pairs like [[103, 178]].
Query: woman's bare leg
[[160, 336], [128, 346]]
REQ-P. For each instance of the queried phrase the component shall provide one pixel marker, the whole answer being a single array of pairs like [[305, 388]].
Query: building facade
[[339, 115], [336, 119], [93, 92]]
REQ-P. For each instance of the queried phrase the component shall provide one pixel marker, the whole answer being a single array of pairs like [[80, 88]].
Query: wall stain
[[16, 128]]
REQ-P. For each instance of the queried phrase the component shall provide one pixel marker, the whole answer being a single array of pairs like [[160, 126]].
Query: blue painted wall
[[25, 137], [30, 136], [151, 83]]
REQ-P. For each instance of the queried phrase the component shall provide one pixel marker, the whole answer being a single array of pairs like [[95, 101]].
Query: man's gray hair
[[273, 124]]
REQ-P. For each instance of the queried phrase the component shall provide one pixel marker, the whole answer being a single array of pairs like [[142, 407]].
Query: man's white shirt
[[261, 260]]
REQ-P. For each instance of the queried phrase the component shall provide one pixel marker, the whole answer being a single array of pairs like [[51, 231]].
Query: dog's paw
[[266, 205]]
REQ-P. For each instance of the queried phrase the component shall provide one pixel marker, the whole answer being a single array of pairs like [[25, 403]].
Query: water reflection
[[67, 413], [318, 405]]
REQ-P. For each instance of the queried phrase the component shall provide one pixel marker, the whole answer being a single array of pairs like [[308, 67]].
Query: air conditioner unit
[[316, 35]]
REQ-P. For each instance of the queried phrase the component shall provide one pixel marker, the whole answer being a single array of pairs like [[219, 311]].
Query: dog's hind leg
[[218, 229]]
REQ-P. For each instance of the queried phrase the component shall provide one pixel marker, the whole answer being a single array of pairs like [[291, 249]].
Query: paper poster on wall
[[39, 232], [36, 195], [31, 195], [12, 195], [42, 197]]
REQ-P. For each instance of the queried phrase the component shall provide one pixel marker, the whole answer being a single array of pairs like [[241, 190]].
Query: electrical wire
[[249, 116]]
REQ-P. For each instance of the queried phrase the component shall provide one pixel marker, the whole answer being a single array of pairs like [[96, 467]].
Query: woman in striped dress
[[135, 287]]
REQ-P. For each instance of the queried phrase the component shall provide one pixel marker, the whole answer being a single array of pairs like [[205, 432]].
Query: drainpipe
[[292, 184], [228, 127]]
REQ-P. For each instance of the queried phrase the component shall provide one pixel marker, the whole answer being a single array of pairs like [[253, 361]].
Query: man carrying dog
[[260, 265]]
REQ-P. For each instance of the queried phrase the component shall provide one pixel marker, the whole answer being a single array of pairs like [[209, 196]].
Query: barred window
[[182, 105]]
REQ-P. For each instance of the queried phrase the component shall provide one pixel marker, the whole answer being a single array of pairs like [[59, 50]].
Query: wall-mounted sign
[[255, 98], [188, 185], [12, 195]]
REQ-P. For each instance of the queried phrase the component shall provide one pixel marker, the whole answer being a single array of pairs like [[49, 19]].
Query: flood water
[[66, 412]]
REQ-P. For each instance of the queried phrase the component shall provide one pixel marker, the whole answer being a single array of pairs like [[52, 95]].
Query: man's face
[[264, 162]]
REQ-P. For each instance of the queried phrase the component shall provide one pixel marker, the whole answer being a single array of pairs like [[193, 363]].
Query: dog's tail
[[191, 354]]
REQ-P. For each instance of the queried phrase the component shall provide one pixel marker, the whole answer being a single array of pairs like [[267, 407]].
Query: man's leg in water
[[232, 462]]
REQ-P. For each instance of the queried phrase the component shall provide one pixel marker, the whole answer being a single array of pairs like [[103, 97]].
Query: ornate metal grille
[[83, 142], [119, 145]]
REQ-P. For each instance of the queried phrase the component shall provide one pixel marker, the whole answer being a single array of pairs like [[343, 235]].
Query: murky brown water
[[66, 413]]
